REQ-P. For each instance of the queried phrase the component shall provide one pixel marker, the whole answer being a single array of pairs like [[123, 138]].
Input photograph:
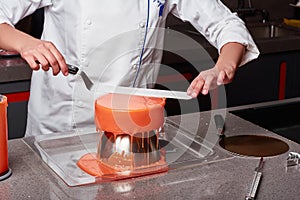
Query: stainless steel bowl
[[140, 149]]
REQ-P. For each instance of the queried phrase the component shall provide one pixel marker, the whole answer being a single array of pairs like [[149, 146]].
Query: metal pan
[[249, 145]]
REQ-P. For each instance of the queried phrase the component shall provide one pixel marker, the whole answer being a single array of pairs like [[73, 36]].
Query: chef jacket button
[[134, 67], [88, 22], [142, 25]]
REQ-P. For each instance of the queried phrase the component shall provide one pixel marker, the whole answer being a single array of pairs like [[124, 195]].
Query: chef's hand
[[43, 54], [37, 53], [210, 79], [222, 73]]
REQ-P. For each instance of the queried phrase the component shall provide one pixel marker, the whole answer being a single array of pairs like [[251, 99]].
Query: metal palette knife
[[128, 90]]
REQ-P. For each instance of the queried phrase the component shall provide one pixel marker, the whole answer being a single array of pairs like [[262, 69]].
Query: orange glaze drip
[[95, 167]]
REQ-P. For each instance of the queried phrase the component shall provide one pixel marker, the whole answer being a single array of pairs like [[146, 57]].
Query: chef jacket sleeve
[[12, 11], [216, 23]]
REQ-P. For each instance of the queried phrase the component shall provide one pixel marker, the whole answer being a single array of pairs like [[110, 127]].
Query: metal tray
[[61, 152]]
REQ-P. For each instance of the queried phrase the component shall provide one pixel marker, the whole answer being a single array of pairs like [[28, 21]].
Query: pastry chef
[[118, 35]]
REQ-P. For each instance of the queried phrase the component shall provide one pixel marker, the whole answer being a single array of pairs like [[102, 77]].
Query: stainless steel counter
[[227, 178]]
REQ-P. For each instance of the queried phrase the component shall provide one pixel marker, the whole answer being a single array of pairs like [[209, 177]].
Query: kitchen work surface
[[222, 175], [62, 151]]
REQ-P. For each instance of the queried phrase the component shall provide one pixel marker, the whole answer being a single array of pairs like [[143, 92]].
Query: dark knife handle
[[73, 69]]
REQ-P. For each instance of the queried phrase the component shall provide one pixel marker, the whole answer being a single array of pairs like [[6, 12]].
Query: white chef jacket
[[105, 38]]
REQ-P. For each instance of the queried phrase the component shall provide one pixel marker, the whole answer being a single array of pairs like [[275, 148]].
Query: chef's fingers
[[28, 55], [32, 63], [195, 86], [36, 60], [47, 59], [207, 84], [56, 60], [42, 61], [43, 54], [52, 56], [204, 82]]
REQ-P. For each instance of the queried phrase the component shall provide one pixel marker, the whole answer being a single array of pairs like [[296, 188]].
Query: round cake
[[120, 113], [128, 126]]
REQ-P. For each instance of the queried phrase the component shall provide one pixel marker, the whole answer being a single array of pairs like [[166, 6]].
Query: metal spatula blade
[[87, 81], [144, 92], [129, 90]]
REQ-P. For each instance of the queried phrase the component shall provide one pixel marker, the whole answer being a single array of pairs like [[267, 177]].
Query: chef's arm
[[229, 60], [223, 72], [37, 53]]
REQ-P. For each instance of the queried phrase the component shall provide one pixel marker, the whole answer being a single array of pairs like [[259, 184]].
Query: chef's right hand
[[43, 54]]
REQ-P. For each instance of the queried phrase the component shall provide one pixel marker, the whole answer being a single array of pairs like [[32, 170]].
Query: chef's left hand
[[222, 73], [210, 79]]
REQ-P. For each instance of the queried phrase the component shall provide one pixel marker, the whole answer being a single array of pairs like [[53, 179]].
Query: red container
[[5, 172]]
